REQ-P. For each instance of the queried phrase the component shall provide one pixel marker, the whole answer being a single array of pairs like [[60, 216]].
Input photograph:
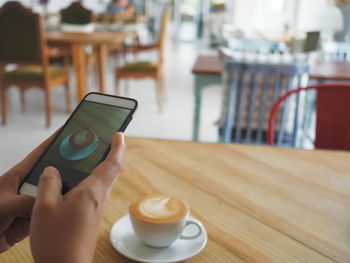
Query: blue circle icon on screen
[[78, 145]]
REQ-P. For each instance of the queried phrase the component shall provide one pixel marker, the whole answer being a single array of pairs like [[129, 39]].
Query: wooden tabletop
[[259, 204], [207, 65], [90, 38], [333, 70]]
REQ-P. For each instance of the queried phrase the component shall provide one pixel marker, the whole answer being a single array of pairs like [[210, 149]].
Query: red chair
[[332, 116]]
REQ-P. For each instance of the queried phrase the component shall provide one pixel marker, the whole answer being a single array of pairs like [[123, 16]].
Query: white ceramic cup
[[163, 235]]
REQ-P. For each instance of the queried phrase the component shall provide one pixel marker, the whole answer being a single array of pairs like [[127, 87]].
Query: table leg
[[201, 81], [197, 107], [79, 62], [102, 62]]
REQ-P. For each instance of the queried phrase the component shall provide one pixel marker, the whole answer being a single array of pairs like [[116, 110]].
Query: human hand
[[65, 228], [15, 210]]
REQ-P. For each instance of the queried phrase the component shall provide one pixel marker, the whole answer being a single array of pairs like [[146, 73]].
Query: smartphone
[[84, 140]]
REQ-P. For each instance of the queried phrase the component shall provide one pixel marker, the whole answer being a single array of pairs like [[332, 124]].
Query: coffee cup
[[82, 138], [159, 220]]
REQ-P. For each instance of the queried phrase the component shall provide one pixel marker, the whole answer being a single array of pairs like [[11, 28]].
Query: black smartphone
[[84, 140]]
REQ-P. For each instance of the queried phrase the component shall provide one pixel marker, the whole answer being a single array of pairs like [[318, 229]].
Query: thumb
[[50, 185]]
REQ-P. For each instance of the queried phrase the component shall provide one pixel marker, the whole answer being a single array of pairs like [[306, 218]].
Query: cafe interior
[[234, 93]]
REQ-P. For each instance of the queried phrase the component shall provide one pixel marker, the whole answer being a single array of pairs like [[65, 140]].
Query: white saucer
[[127, 243]]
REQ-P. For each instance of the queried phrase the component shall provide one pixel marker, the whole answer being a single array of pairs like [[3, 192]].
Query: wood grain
[[102, 64], [259, 204], [80, 68], [102, 37]]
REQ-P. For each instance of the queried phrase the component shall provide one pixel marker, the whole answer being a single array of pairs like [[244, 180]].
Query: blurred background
[[202, 70]]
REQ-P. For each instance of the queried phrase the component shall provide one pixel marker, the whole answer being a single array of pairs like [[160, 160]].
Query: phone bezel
[[129, 103]]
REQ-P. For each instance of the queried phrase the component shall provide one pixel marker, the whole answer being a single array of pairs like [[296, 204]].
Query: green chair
[[23, 43]]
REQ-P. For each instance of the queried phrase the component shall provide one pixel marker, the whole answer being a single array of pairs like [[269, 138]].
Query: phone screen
[[82, 143]]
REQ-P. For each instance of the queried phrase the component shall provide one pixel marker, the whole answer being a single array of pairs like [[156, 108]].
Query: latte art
[[82, 138], [159, 209]]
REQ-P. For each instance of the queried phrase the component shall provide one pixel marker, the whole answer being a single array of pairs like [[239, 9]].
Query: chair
[[76, 14], [23, 43], [147, 69], [73, 15], [332, 129], [76, 18], [250, 88]]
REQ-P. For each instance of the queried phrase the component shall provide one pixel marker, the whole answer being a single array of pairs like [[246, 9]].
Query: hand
[[65, 228], [15, 209]]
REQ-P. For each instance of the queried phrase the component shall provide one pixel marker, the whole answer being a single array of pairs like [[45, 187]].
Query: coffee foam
[[158, 209]]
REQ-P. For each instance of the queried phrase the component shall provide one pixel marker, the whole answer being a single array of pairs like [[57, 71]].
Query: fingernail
[[120, 135], [51, 170]]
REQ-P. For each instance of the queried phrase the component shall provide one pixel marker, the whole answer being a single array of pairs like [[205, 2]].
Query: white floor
[[26, 130]]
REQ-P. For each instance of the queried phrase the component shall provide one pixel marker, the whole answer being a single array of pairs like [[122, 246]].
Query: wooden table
[[77, 41], [207, 71], [259, 204]]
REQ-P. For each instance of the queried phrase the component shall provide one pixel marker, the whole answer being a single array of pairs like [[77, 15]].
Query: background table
[[330, 71], [77, 41], [259, 204]]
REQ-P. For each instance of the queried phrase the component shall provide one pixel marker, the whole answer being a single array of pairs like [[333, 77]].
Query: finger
[[18, 230], [50, 185], [117, 148], [23, 168], [105, 174], [107, 171], [18, 205]]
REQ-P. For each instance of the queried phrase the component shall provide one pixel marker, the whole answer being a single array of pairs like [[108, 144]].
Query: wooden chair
[[332, 129], [76, 14], [250, 88], [23, 43], [147, 69]]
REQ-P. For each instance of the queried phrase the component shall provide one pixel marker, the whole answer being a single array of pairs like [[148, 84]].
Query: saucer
[[73, 154], [127, 243]]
